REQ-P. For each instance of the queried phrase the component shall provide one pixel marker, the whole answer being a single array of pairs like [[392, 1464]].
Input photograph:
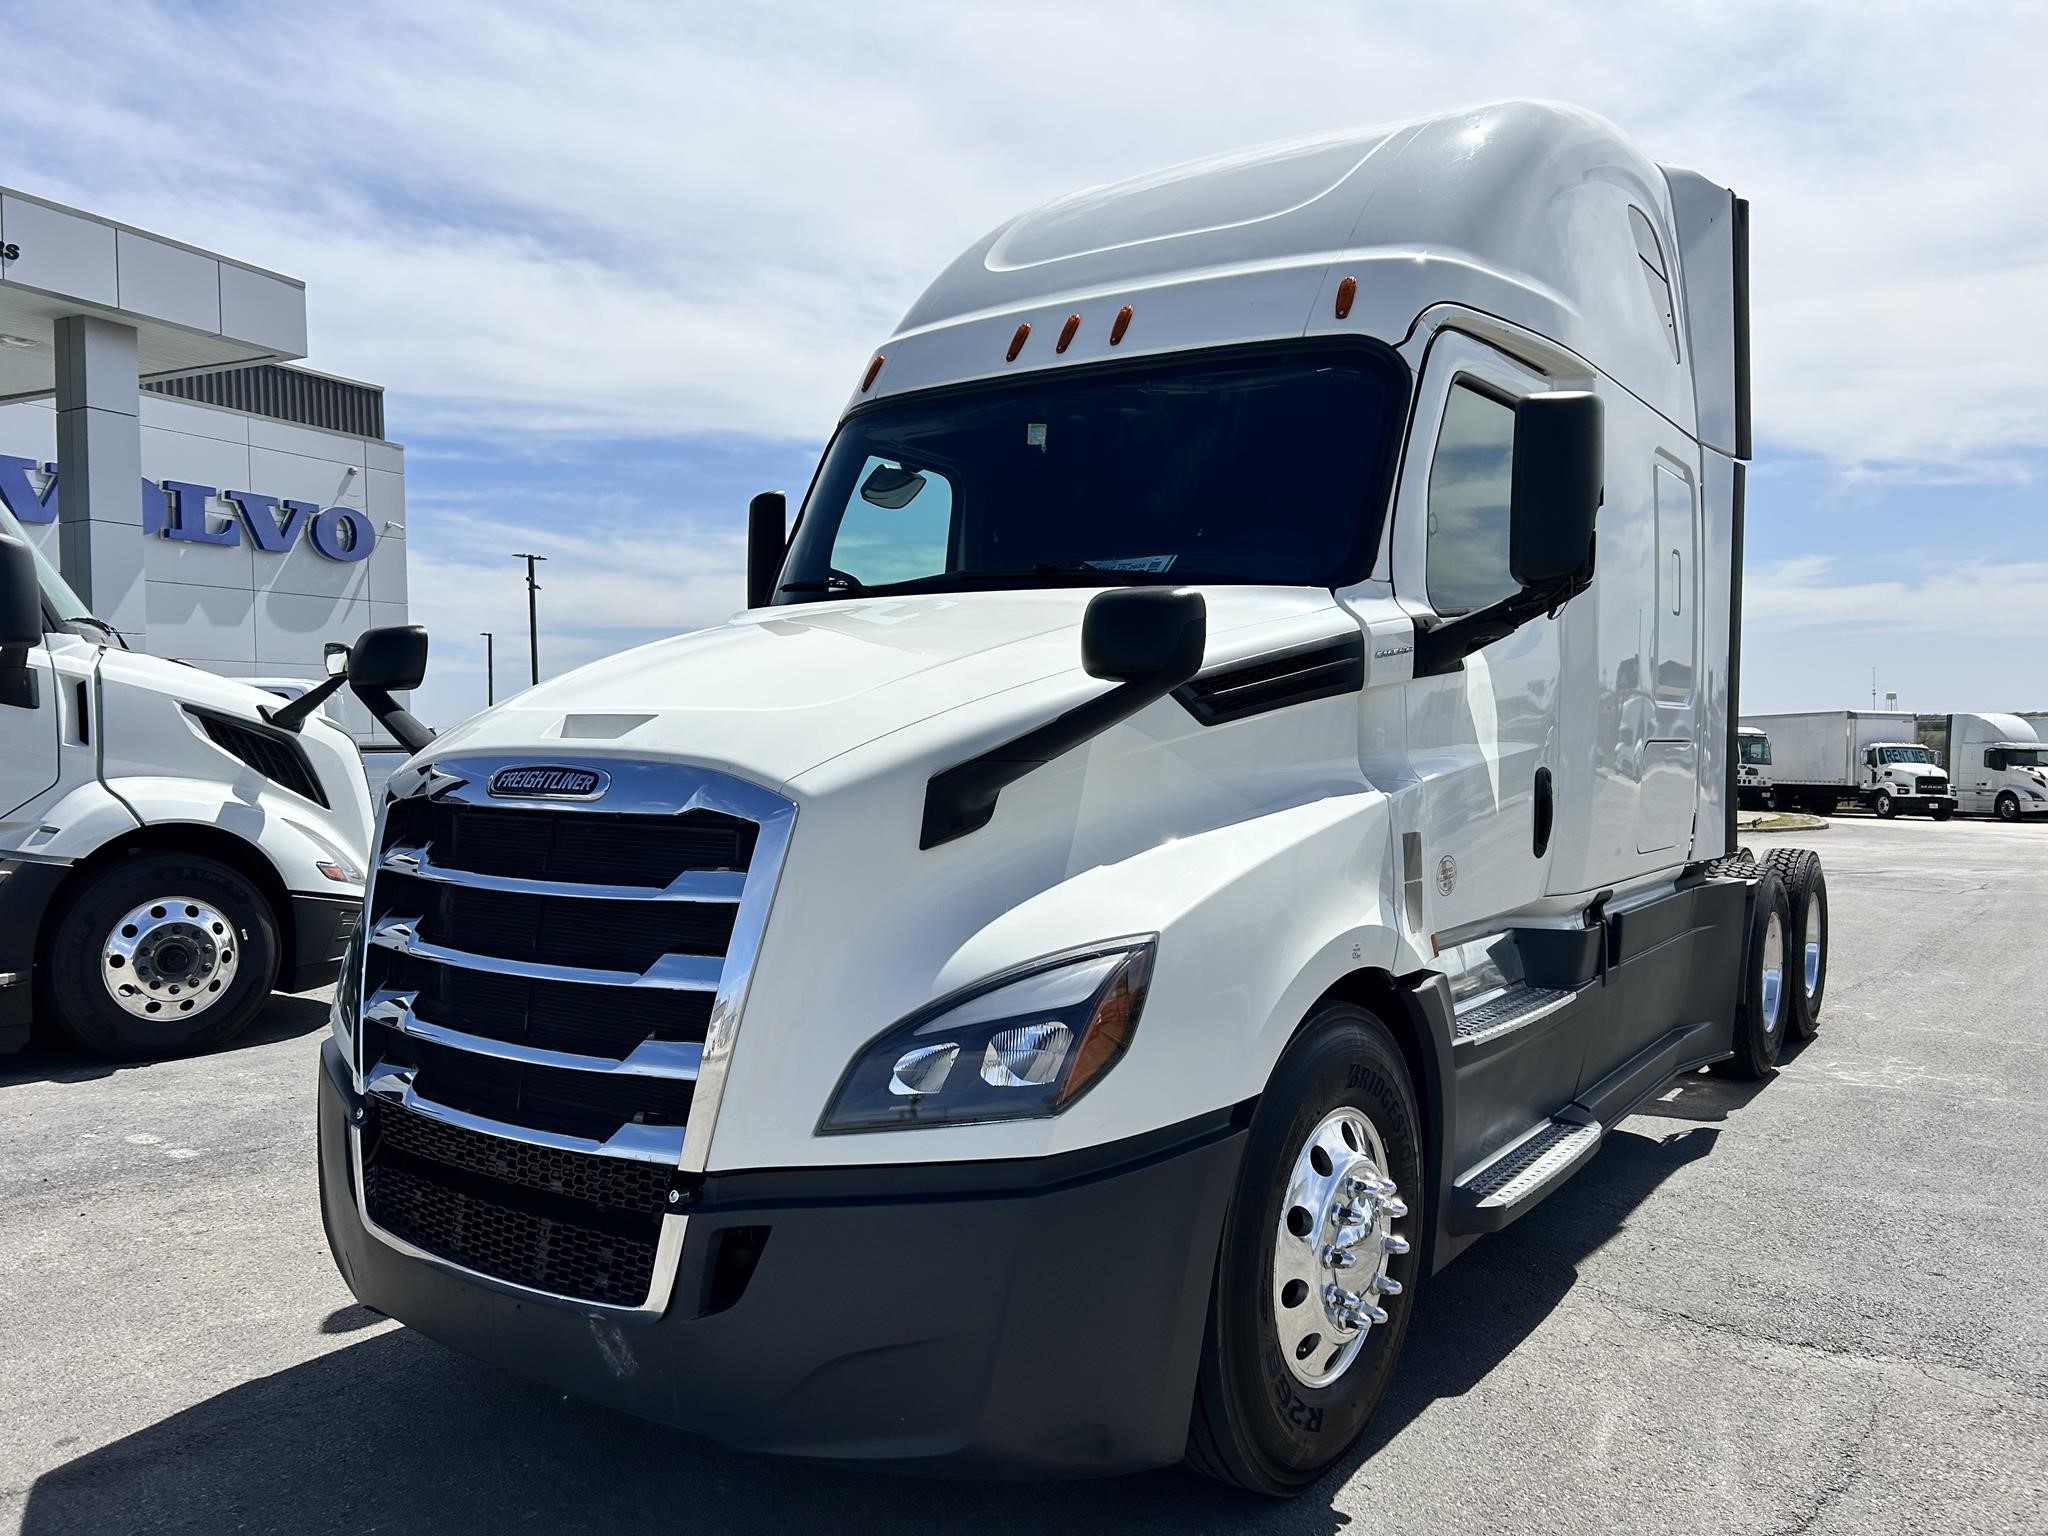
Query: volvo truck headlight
[[1021, 1045]]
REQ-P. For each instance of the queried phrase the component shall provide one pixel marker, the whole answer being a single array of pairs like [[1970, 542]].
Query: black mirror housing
[[390, 660], [1152, 635], [767, 541], [1559, 467], [21, 595]]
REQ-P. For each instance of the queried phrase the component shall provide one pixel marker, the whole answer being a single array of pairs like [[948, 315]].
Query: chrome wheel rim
[[1774, 972], [1332, 1245], [170, 959], [1812, 957]]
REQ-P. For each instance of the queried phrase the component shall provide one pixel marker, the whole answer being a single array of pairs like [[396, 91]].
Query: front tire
[[160, 955], [2008, 807], [1942, 812], [1884, 805], [1316, 1275]]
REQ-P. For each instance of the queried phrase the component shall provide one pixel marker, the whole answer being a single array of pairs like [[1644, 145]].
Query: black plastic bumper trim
[[322, 927], [27, 887]]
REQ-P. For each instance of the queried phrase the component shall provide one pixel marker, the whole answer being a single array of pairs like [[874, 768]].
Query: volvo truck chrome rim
[[1774, 971], [1812, 946], [1332, 1245], [170, 959]]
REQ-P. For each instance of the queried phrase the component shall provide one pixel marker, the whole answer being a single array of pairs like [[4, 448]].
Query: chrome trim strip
[[673, 973], [651, 1058], [668, 1256], [638, 1143], [707, 885]]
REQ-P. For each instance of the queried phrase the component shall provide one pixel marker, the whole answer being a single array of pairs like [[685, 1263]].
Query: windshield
[[1756, 749], [63, 603], [2024, 757], [1260, 466], [1904, 755]]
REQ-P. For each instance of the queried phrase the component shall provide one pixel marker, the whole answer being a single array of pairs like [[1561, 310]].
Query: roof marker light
[[1122, 324], [867, 380], [1067, 333], [1346, 292], [1017, 342]]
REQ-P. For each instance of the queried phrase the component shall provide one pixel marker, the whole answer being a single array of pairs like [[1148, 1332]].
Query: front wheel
[[160, 955], [1884, 805], [1317, 1272], [2008, 806], [1942, 812]]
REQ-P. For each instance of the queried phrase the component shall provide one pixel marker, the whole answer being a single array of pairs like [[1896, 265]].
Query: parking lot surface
[[1820, 1305]]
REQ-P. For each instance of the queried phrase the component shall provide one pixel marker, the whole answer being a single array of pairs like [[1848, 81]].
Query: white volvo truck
[[1193, 828], [1825, 758], [1996, 763], [173, 844]]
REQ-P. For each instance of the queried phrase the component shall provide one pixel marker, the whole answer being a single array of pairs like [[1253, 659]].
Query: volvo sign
[[177, 509]]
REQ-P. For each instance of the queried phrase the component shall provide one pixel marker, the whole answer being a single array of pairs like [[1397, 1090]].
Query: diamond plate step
[[1531, 1163], [1517, 1008]]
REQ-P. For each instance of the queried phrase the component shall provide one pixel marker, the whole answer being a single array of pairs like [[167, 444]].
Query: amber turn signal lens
[[1346, 292], [1017, 342]]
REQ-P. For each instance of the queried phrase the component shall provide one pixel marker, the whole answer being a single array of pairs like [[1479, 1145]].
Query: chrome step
[[1530, 1164], [1498, 1013]]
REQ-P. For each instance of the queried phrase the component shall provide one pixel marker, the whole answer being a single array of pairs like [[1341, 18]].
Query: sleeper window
[[1469, 481]]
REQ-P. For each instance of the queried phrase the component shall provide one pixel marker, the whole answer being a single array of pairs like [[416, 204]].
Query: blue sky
[[619, 265]]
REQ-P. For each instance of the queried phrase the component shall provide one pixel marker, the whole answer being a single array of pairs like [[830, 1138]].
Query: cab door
[[1481, 739]]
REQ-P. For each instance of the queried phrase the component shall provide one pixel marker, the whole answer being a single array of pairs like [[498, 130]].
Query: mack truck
[[1996, 763], [173, 844], [1753, 785], [1824, 759], [1224, 796]]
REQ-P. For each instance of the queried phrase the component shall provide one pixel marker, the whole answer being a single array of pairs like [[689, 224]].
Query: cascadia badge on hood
[[549, 781]]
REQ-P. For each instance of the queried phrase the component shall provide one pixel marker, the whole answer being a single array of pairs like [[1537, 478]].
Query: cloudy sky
[[618, 266]]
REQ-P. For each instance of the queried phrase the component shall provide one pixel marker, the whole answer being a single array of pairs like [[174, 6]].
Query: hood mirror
[[891, 486]]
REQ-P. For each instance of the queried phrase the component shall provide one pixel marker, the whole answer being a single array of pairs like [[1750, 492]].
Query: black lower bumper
[[1023, 1319], [27, 887], [321, 929]]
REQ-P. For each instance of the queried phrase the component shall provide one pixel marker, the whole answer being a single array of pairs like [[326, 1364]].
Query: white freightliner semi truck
[[1995, 763], [1195, 826], [172, 843], [1822, 759]]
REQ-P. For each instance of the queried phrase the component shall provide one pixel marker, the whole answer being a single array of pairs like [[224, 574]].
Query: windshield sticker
[[1135, 563], [1034, 435]]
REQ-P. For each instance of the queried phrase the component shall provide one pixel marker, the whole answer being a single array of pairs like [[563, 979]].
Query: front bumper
[[1023, 1319], [321, 929]]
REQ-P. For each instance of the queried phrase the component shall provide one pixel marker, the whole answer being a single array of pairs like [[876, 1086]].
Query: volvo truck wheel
[[1761, 1008], [1884, 805], [161, 955], [2008, 807], [1319, 1263], [1806, 897]]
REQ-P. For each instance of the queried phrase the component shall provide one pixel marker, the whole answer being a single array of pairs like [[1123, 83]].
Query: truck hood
[[774, 692]]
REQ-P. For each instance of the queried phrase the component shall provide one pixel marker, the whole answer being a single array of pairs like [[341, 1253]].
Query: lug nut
[[1368, 1313], [1395, 1208], [1386, 1285], [1393, 1245], [1352, 1214], [1339, 1258]]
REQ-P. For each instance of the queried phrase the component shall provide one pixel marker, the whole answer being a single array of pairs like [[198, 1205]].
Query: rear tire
[[1272, 1415], [1761, 1010], [2008, 807], [1806, 949], [159, 955], [1884, 805]]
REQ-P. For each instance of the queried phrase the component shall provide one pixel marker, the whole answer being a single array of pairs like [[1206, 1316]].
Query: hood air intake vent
[[275, 755], [1321, 669]]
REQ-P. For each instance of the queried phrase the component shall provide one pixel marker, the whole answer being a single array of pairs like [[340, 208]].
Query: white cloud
[[1990, 601], [641, 219]]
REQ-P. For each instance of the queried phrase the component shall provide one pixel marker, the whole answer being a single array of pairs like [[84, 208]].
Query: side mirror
[[392, 659], [388, 659], [1558, 472], [21, 622], [21, 595], [1152, 635], [767, 541]]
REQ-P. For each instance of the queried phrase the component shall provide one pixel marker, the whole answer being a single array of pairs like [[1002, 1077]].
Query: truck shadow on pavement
[[391, 1432], [59, 1060]]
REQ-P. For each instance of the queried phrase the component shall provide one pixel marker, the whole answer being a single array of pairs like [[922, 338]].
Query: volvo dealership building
[[210, 501]]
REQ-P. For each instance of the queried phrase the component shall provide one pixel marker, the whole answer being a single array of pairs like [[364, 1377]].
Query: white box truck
[[1996, 763], [1753, 782], [1823, 759], [172, 843], [1191, 830]]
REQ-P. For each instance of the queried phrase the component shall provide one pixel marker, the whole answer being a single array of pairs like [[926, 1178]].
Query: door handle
[[1546, 811]]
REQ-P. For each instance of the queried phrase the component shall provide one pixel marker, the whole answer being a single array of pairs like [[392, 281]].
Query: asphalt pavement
[[1818, 1305]]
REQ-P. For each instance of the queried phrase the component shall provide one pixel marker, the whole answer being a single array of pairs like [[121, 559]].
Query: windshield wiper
[[852, 586], [100, 624], [947, 581]]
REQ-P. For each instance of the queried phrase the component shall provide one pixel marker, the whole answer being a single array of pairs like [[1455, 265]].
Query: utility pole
[[490, 668], [532, 617]]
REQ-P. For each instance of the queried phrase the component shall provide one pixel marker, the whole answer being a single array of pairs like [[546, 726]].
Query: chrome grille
[[554, 984]]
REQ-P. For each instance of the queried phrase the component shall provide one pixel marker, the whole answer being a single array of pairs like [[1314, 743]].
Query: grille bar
[[643, 1143], [721, 885], [679, 1059], [677, 973]]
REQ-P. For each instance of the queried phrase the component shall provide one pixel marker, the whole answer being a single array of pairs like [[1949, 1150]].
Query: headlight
[[341, 1013], [1018, 1046]]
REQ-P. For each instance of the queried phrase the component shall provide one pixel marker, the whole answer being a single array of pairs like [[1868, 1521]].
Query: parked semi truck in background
[[173, 844], [1996, 762], [1753, 783], [1824, 759], [1190, 832]]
